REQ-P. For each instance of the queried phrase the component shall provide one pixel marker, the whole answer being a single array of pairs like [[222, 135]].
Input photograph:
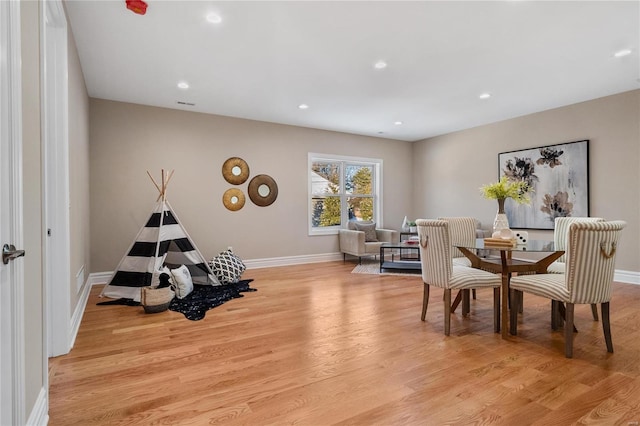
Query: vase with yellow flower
[[518, 190]]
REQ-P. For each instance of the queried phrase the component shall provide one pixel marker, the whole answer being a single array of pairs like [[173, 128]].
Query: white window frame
[[376, 163]]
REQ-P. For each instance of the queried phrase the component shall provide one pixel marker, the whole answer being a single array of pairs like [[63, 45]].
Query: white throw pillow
[[182, 282]]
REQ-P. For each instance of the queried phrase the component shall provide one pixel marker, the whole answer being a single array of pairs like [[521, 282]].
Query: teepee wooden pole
[[166, 177], [164, 186], [154, 182], [166, 183]]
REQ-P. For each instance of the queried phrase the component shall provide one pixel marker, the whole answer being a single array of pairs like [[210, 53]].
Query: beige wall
[[32, 207], [449, 169], [78, 172], [127, 140]]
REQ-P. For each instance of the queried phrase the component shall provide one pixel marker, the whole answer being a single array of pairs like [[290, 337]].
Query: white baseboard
[[76, 318], [291, 260], [99, 278], [628, 277], [39, 415]]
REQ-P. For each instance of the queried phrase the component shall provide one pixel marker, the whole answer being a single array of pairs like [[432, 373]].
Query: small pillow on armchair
[[369, 230]]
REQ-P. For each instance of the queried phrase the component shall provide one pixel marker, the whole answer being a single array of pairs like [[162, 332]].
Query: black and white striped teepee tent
[[162, 241]]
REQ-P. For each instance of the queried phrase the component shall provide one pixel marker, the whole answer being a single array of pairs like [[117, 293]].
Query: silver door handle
[[9, 252]]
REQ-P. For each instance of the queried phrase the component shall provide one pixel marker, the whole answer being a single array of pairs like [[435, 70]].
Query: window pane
[[342, 189], [358, 179], [325, 211], [325, 177], [360, 208]]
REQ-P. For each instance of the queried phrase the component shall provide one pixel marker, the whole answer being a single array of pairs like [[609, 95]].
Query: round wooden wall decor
[[263, 190], [235, 170], [233, 199]]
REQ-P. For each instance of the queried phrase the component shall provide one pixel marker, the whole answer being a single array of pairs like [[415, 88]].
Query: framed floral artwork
[[558, 176]]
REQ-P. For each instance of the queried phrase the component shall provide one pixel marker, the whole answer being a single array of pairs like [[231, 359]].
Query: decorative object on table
[[162, 240], [204, 297], [413, 239], [504, 233], [405, 225], [559, 175], [235, 170], [412, 226], [233, 199], [499, 242], [517, 190], [521, 237], [263, 190]]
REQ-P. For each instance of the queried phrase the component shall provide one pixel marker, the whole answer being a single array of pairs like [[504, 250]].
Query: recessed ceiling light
[[380, 65], [485, 96], [183, 85], [621, 53], [214, 18], [397, 123], [303, 106]]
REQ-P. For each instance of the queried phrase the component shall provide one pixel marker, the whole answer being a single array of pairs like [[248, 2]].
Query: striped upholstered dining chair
[[438, 271], [590, 265], [462, 231], [560, 234]]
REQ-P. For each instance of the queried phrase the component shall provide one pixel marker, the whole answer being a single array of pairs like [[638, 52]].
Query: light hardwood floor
[[318, 345]]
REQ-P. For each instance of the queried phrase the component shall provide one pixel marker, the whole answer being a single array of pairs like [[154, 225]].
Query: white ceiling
[[267, 57]]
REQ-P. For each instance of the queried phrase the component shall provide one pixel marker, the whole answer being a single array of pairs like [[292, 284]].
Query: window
[[342, 189]]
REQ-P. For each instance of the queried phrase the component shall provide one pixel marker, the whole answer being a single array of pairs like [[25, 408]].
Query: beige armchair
[[364, 239]]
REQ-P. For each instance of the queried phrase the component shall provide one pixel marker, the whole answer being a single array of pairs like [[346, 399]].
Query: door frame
[[12, 347], [57, 255]]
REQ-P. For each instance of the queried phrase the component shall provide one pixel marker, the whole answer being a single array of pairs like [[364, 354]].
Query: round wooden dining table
[[506, 265]]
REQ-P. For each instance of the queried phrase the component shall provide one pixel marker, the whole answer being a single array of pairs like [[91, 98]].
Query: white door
[[56, 177], [11, 274]]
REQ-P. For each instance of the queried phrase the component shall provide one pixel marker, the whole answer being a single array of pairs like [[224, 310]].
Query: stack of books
[[500, 242]]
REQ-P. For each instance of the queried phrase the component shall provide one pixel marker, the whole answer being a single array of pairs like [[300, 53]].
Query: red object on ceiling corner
[[137, 6]]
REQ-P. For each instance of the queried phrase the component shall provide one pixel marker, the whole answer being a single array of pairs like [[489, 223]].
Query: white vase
[[501, 221], [405, 225]]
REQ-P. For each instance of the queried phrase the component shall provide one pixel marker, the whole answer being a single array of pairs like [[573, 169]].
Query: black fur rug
[[205, 297]]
